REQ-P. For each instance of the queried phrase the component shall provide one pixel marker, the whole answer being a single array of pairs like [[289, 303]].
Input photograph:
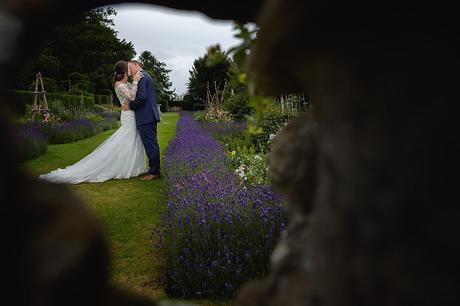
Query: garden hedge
[[21, 98]]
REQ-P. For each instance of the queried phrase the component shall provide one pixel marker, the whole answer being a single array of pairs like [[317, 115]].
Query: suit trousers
[[148, 133]]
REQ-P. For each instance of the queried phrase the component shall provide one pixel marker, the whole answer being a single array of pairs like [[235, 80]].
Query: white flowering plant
[[251, 168]]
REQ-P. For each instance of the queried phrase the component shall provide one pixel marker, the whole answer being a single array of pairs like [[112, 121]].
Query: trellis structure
[[38, 107]]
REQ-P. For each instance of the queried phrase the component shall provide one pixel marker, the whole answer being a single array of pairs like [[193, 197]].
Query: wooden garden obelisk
[[38, 107]]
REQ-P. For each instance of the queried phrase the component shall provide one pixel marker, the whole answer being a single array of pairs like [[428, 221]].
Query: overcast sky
[[174, 37]]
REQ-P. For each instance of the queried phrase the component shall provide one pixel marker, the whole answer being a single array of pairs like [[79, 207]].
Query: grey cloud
[[174, 37]]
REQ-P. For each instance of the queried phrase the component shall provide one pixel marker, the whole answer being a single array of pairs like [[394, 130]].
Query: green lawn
[[129, 210]]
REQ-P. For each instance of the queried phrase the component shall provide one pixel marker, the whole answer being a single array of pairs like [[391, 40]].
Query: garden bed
[[34, 137], [219, 231]]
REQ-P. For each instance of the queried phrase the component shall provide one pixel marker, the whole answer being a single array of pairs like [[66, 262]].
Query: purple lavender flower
[[213, 227]]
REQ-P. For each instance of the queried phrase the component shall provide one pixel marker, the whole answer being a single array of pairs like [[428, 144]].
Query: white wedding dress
[[120, 156]]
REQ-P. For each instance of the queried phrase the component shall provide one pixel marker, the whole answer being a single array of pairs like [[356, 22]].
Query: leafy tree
[[49, 84], [160, 75], [49, 65], [87, 44], [212, 68]]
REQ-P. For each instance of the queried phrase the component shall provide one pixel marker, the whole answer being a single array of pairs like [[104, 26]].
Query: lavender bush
[[219, 233], [33, 138], [225, 128], [31, 142], [66, 132]]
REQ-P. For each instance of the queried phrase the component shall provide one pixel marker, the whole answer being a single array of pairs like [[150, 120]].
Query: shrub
[[237, 106], [19, 101], [75, 77], [31, 143], [108, 124], [164, 106], [110, 115], [199, 116], [218, 233], [251, 168], [74, 101], [175, 103], [50, 85], [92, 117], [23, 98], [102, 99], [66, 132], [270, 124], [175, 109]]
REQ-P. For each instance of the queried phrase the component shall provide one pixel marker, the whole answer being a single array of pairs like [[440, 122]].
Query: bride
[[120, 156]]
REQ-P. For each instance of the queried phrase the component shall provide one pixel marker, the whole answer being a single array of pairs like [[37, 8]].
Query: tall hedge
[[20, 98]]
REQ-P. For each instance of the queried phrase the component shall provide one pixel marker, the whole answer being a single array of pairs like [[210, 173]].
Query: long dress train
[[120, 156]]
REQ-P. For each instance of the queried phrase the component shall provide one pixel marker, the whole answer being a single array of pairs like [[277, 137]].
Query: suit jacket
[[145, 104]]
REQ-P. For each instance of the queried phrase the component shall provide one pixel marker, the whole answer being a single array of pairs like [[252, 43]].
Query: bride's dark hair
[[121, 70]]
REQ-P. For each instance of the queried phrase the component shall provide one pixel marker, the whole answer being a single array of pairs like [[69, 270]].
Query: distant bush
[[81, 81], [76, 77], [164, 106], [272, 122], [102, 99], [50, 85], [175, 109], [177, 103], [237, 106]]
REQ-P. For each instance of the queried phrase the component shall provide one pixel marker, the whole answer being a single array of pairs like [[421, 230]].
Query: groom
[[147, 117]]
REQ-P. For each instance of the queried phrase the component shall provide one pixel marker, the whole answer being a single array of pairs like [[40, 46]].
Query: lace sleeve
[[128, 91]]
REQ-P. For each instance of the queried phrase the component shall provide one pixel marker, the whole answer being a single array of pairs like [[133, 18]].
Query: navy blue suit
[[147, 117]]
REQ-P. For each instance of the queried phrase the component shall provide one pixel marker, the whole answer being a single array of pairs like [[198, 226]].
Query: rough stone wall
[[371, 179], [383, 80]]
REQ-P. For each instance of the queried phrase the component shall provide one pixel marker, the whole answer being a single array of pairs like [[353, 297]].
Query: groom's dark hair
[[136, 62]]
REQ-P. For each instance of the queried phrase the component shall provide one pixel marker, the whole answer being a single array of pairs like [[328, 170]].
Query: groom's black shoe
[[151, 177]]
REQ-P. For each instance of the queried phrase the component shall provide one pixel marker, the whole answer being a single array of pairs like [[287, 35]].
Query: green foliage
[[160, 75], [115, 115], [80, 83], [71, 101], [76, 77], [200, 116], [213, 69], [260, 105], [49, 65], [93, 117], [254, 143], [102, 79], [19, 101], [51, 86], [87, 44], [63, 107], [102, 99], [250, 167], [237, 106], [164, 106], [272, 121], [31, 146], [247, 156], [240, 142]]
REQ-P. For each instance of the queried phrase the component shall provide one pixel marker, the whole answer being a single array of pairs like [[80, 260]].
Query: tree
[[87, 44], [212, 68], [160, 75]]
